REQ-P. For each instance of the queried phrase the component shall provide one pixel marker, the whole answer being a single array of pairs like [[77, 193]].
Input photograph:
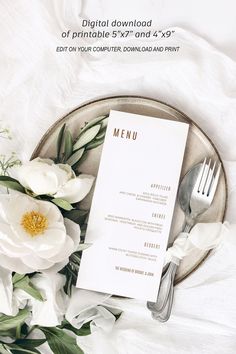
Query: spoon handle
[[161, 309]]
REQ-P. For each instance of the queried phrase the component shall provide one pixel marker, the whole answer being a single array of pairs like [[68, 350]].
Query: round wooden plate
[[198, 147]]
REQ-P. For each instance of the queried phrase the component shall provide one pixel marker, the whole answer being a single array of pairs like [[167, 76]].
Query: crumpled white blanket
[[39, 85]]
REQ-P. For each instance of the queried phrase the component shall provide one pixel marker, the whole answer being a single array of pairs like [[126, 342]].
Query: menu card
[[133, 205]]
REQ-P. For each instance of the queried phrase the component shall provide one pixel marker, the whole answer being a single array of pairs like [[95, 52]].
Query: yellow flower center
[[34, 223]]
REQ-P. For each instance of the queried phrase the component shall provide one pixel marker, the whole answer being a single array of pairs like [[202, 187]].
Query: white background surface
[[38, 86]]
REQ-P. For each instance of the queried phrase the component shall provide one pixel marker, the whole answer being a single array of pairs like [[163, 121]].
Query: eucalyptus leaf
[[104, 123], [68, 285], [86, 136], [60, 342], [75, 257], [60, 141], [83, 158], [101, 134], [75, 157], [76, 215], [9, 322], [83, 331], [11, 183], [68, 149], [63, 204], [83, 246], [94, 122], [95, 144], [71, 273], [25, 285]]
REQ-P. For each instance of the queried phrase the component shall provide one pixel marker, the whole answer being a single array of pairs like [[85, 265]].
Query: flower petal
[[76, 189], [15, 264], [73, 230], [17, 206], [6, 292], [42, 176], [66, 250], [56, 267], [36, 263]]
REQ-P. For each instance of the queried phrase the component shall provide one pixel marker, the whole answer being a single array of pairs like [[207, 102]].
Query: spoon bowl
[[186, 188]]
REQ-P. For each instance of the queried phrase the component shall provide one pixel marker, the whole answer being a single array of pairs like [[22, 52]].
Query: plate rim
[[63, 118]]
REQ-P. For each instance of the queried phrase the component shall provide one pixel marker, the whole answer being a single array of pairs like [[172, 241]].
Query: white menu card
[[133, 205]]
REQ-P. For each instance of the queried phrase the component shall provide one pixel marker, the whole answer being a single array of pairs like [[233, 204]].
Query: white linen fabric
[[39, 85]]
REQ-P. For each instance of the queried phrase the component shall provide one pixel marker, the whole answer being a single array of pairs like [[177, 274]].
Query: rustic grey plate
[[198, 146]]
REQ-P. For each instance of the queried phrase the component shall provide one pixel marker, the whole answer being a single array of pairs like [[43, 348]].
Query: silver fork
[[201, 198], [204, 189]]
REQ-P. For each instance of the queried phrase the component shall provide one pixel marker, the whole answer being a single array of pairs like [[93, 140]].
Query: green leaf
[[3, 349], [30, 343], [101, 134], [83, 331], [26, 285], [75, 258], [20, 331], [94, 144], [83, 246], [69, 283], [60, 141], [17, 349], [105, 122], [83, 158], [75, 157], [68, 145], [17, 277], [11, 183], [63, 204], [9, 322], [86, 137], [94, 121], [60, 342], [10, 333], [78, 216]]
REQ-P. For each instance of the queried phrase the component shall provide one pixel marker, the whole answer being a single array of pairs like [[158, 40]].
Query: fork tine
[[200, 175], [207, 176], [214, 184], [204, 177], [209, 179]]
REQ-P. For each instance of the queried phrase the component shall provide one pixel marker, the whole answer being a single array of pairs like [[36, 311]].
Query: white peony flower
[[43, 176], [33, 235]]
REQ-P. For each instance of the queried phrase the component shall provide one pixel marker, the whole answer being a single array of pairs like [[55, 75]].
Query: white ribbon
[[202, 236]]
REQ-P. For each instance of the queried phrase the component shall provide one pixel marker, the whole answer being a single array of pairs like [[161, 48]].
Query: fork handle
[[164, 313], [166, 288], [166, 285]]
